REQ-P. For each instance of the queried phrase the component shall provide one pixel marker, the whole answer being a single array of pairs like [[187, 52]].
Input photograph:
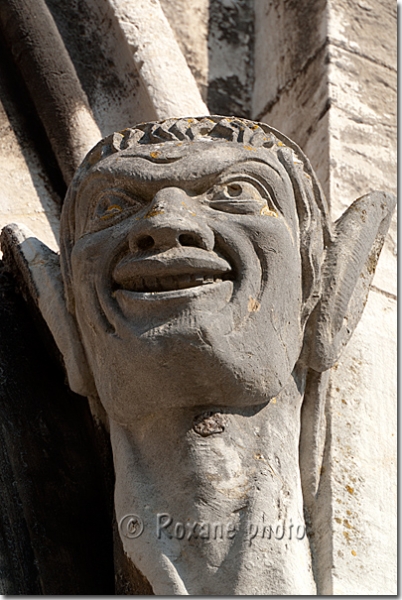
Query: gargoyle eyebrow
[[146, 184], [154, 158], [191, 170]]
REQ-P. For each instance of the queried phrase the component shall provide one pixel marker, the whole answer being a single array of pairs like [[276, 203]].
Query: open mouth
[[169, 283], [171, 271]]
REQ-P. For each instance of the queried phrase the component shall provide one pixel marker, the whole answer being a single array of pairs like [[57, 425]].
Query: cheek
[[90, 258], [277, 249], [281, 293], [91, 279]]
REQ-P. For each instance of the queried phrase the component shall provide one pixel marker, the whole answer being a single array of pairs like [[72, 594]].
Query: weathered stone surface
[[365, 28], [301, 111], [291, 80], [363, 138], [103, 62], [362, 130], [217, 40], [24, 195], [361, 461], [29, 181], [190, 25], [175, 239], [41, 56], [167, 78], [288, 38], [231, 57], [342, 109]]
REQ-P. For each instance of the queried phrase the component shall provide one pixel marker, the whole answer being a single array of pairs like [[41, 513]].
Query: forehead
[[193, 166]]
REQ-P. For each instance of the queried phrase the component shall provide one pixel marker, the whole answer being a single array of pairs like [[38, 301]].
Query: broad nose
[[173, 219]]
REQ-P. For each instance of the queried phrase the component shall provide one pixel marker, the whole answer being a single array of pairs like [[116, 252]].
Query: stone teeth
[[172, 282], [183, 282]]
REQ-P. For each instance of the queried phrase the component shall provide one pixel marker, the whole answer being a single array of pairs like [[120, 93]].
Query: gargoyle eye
[[234, 189], [241, 197], [113, 203]]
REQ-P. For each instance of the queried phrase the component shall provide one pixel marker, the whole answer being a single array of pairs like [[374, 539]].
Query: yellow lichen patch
[[255, 126], [253, 305], [353, 553], [153, 213], [281, 144], [154, 154], [338, 520], [250, 148], [350, 489], [111, 211], [268, 212], [347, 524], [259, 456], [192, 213], [273, 400], [346, 535]]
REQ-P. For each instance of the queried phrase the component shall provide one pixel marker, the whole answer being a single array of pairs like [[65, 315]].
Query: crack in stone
[[343, 46], [374, 288], [361, 120]]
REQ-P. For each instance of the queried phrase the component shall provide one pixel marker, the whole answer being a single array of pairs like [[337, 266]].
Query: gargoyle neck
[[213, 505]]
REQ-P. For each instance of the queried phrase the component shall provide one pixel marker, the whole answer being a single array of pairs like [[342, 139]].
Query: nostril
[[145, 242], [186, 239]]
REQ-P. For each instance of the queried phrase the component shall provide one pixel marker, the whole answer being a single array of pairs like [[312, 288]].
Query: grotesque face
[[186, 274]]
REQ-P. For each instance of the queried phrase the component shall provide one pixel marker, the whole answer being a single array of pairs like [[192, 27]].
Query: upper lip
[[176, 268]]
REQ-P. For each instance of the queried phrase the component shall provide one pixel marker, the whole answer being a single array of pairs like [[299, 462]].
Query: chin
[[190, 366]]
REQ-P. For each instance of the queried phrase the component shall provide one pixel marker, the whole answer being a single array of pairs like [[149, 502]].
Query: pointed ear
[[39, 268], [348, 269]]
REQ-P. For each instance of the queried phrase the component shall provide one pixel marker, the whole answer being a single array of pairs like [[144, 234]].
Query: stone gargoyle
[[200, 280]]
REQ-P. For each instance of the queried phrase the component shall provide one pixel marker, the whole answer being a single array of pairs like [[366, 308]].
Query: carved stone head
[[191, 253]]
